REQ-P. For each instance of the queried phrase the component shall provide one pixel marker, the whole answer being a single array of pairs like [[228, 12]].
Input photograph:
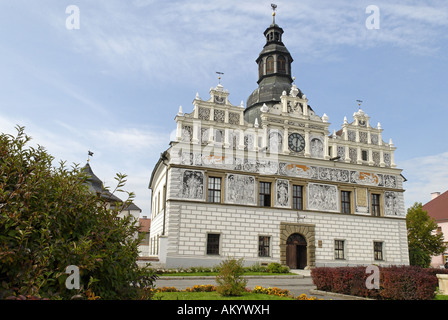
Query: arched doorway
[[296, 251]]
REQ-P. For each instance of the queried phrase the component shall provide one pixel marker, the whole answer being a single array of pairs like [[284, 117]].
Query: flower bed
[[396, 282], [258, 289]]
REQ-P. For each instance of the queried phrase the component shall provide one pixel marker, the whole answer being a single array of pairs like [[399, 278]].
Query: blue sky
[[114, 85]]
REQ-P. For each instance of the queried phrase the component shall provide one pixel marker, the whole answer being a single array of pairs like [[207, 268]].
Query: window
[[364, 155], [213, 243], [297, 197], [345, 202], [281, 64], [214, 189], [376, 205], [263, 246], [378, 250], [270, 65], [339, 249], [264, 194]]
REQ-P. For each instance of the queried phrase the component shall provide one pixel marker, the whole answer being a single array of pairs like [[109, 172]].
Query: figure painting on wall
[[192, 184]]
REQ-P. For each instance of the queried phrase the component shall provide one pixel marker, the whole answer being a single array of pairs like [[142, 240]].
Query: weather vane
[[89, 154], [274, 7], [359, 103], [219, 77]]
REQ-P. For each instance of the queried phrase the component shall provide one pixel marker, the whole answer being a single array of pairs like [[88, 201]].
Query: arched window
[[270, 65], [281, 64]]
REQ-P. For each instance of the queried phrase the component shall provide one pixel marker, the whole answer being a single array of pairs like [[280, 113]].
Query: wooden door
[[296, 252], [291, 256], [301, 257]]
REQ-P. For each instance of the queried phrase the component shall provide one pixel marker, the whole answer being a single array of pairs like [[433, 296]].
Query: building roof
[[438, 208], [145, 224], [96, 185]]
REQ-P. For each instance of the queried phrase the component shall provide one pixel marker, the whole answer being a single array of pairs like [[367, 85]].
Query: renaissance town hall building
[[269, 183]]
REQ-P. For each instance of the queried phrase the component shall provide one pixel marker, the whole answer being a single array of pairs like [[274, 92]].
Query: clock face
[[296, 142]]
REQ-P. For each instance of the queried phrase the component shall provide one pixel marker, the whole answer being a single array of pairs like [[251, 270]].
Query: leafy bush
[[49, 220], [230, 278], [396, 282], [275, 267]]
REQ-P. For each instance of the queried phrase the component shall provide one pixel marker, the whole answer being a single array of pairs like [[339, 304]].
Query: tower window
[[281, 64], [270, 65]]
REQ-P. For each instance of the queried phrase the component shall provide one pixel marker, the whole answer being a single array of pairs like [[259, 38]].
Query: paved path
[[295, 284]]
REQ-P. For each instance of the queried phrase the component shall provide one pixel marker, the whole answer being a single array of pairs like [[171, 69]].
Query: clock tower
[[274, 73]]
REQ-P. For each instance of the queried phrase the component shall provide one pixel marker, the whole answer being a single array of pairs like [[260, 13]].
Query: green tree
[[49, 220], [422, 240]]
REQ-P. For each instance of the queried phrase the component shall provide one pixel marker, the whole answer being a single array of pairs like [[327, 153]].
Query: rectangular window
[[297, 197], [263, 246], [345, 202], [364, 155], [264, 194], [339, 249], [214, 189], [376, 205], [213, 243], [378, 250]]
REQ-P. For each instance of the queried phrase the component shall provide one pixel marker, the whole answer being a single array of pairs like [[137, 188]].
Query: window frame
[[294, 197], [281, 64], [338, 251], [378, 254], [265, 195], [346, 206], [270, 65], [375, 206], [213, 249], [213, 191], [263, 247]]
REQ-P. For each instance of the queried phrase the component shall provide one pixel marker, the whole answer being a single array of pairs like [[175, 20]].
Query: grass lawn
[[214, 296], [214, 274]]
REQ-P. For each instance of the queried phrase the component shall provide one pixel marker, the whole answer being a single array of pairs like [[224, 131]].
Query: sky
[[114, 82]]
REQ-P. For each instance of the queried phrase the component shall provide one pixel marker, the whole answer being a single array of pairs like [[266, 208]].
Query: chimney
[[434, 195]]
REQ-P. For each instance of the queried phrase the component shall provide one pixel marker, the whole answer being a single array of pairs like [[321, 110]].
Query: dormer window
[[270, 65], [277, 36], [281, 64]]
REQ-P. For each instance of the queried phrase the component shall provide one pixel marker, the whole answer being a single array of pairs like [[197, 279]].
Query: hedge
[[396, 282]]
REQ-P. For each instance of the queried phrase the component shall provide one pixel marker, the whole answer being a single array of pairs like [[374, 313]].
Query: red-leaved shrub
[[396, 282]]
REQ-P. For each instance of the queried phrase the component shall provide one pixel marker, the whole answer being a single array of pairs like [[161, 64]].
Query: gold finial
[[274, 7], [359, 103], [219, 77]]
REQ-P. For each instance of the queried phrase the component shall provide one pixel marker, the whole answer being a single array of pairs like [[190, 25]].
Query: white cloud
[[425, 175]]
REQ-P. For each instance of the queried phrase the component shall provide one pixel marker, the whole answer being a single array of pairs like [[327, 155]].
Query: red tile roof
[[438, 207], [145, 224]]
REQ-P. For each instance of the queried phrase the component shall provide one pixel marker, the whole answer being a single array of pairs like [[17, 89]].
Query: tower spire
[[274, 7]]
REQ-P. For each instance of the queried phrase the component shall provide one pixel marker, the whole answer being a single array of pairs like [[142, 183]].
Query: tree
[[422, 240], [49, 220]]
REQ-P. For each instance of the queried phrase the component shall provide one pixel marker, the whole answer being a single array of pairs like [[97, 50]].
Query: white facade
[[278, 189]]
